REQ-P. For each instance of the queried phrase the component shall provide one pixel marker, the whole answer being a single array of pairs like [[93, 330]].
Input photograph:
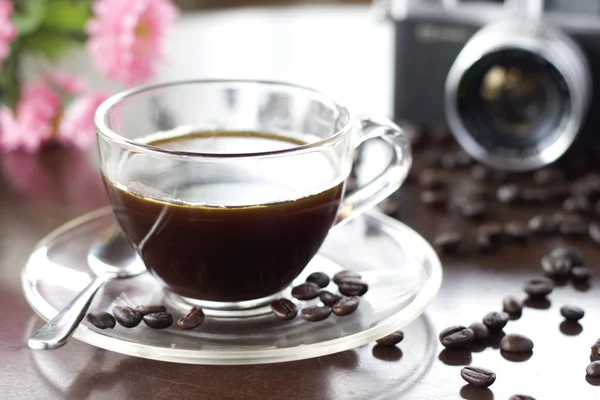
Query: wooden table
[[38, 194]]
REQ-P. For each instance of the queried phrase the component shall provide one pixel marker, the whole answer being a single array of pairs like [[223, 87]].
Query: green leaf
[[67, 15], [48, 44], [29, 16], [10, 78]]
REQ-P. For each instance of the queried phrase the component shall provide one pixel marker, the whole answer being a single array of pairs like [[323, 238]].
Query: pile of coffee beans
[[350, 286], [155, 316]]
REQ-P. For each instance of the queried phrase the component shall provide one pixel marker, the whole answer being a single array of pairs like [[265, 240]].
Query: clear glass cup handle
[[390, 179]]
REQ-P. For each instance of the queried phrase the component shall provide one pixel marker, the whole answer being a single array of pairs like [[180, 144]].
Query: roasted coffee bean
[[314, 314], [346, 306], [456, 337], [192, 319], [495, 321], [434, 197], [577, 204], [515, 343], [547, 176], [389, 206], [479, 377], [558, 193], [595, 356], [343, 275], [127, 316], [501, 176], [462, 158], [520, 397], [572, 313], [573, 225], [151, 309], [534, 195], [353, 287], [542, 225], [480, 173], [556, 267], [511, 305], [392, 339], [306, 291], [480, 331], [160, 320], [284, 309], [476, 192], [474, 209], [580, 274], [329, 298], [101, 319], [594, 232], [485, 244], [320, 278], [447, 161], [516, 231], [492, 230], [593, 369], [574, 255], [448, 242], [432, 179], [538, 288], [509, 194]]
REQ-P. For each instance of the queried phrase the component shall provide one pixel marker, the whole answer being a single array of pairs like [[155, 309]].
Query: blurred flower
[[8, 32], [66, 82], [77, 124], [127, 37]]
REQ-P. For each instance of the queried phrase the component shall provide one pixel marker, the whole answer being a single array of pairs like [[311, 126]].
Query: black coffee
[[223, 238]]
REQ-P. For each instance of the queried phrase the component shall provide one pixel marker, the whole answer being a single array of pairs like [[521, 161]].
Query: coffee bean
[[434, 197], [548, 176], [593, 369], [516, 231], [574, 255], [456, 337], [556, 267], [448, 242], [479, 377], [127, 316], [484, 244], [101, 319], [192, 319], [538, 288], [474, 209], [558, 193], [160, 320], [572, 313], [595, 356], [542, 225], [501, 176], [151, 309], [573, 225], [432, 179], [580, 274], [511, 305], [492, 230], [480, 173], [329, 298], [577, 204], [320, 278], [346, 306], [314, 314], [284, 309], [509, 194], [353, 287], [594, 232], [515, 343], [343, 275], [462, 158], [306, 291], [534, 195], [447, 161], [495, 321], [476, 192], [480, 331], [392, 339], [520, 397]]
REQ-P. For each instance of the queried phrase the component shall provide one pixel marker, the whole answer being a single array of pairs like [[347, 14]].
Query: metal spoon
[[110, 257]]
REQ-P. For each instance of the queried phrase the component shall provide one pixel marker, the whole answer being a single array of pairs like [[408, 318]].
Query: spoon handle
[[57, 332]]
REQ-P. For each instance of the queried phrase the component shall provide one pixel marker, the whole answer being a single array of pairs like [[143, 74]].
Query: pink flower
[[65, 82], [77, 125], [8, 32], [34, 121], [127, 37]]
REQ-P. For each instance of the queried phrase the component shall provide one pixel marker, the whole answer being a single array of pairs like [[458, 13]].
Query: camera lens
[[516, 97]]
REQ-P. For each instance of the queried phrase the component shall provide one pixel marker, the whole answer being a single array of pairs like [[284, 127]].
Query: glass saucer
[[402, 270]]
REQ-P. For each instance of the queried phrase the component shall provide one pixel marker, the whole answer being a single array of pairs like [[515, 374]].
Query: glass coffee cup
[[227, 188]]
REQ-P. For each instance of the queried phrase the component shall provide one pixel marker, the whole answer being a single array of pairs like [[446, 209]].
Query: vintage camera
[[512, 79]]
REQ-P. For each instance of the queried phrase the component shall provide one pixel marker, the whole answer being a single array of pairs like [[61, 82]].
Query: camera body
[[446, 47]]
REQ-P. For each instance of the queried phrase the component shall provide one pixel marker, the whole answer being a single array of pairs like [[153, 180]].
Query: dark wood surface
[[38, 193]]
